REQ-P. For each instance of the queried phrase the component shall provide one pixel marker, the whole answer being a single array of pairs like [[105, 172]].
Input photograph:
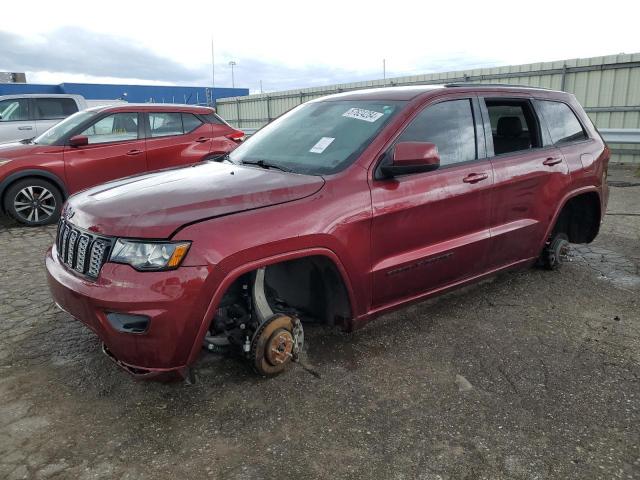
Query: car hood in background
[[156, 205]]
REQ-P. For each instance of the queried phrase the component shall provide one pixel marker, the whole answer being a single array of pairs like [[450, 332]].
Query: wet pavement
[[530, 375]]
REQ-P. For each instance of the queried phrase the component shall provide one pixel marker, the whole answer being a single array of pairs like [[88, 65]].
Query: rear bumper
[[175, 303]]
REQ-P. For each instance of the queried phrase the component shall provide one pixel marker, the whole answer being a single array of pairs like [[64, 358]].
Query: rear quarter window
[[564, 126]]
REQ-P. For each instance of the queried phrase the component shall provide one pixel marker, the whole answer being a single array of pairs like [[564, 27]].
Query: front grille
[[82, 251]]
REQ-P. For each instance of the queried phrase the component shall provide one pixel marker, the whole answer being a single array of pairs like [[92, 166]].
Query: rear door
[[49, 111], [529, 173], [16, 120], [176, 139], [116, 149], [430, 230]]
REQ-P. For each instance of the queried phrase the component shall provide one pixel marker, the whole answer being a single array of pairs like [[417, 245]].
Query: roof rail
[[469, 84]]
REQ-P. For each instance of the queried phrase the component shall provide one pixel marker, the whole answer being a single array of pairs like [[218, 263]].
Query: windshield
[[60, 130], [319, 137]]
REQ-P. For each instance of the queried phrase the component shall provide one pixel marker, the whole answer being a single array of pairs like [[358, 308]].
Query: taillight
[[237, 136]]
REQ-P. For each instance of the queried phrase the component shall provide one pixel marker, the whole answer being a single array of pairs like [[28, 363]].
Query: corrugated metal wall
[[608, 87]]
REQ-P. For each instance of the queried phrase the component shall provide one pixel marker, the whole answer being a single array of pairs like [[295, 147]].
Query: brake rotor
[[557, 252], [275, 344]]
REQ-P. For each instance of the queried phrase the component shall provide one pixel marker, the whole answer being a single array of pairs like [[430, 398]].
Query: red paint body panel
[[393, 241]]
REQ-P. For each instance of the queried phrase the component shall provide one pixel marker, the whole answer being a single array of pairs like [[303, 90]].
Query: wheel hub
[[277, 342], [279, 347]]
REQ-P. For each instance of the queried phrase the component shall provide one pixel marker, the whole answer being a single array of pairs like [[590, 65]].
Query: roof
[[411, 92], [156, 107]]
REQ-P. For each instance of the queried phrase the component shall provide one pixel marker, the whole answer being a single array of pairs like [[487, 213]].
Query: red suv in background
[[102, 144], [342, 209]]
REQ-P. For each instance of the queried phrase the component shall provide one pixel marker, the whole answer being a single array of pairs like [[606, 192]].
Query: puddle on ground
[[608, 265]]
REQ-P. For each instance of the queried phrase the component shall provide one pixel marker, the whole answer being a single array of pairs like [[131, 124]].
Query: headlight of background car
[[149, 255]]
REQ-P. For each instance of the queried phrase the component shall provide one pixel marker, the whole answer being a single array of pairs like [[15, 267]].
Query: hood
[[13, 150], [156, 205]]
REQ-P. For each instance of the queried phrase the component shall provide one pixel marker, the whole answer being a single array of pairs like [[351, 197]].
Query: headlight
[[149, 255], [3, 161]]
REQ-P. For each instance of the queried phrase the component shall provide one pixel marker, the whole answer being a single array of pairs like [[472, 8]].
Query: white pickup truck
[[28, 115]]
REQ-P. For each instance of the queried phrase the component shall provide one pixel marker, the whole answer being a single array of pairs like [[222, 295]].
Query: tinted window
[[450, 126], [14, 110], [190, 122], [165, 124], [563, 125], [213, 118], [52, 108], [118, 127], [513, 127]]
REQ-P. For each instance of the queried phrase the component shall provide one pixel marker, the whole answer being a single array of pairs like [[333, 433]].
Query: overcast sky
[[293, 44]]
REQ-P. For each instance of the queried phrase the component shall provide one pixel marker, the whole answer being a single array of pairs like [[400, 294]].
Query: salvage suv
[[344, 208]]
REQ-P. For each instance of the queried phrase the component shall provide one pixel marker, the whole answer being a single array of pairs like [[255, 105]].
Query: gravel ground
[[532, 375]]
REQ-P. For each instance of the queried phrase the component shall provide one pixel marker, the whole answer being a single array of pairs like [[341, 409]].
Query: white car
[[28, 115]]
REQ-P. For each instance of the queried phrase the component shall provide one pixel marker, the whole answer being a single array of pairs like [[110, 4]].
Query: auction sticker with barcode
[[362, 114], [322, 145]]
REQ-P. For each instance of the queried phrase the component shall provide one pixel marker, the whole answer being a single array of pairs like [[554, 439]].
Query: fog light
[[127, 323]]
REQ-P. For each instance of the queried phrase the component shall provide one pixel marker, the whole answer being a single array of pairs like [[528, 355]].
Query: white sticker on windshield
[[362, 114], [322, 145]]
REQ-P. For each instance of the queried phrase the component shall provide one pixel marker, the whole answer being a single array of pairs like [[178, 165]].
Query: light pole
[[233, 80]]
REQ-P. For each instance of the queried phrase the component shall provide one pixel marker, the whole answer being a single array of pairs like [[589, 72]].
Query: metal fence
[[608, 87]]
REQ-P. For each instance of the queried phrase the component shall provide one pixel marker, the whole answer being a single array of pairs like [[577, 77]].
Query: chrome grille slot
[[97, 258], [81, 256], [82, 251], [73, 237]]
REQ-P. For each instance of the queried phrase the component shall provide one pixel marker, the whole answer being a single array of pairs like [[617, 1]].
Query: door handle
[[201, 139], [25, 128], [552, 161], [134, 152], [475, 177]]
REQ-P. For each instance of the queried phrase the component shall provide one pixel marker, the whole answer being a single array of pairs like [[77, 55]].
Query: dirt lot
[[533, 375]]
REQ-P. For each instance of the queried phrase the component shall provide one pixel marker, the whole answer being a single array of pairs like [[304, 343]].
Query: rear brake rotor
[[275, 344]]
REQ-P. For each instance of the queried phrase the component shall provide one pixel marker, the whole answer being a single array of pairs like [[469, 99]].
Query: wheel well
[[312, 287], [579, 218], [13, 180]]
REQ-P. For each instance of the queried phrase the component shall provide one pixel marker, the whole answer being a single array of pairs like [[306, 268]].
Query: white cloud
[[301, 43]]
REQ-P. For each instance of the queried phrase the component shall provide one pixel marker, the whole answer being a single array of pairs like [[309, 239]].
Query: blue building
[[130, 93]]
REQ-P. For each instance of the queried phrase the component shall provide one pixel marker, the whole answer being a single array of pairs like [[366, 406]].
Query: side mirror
[[412, 157], [79, 141]]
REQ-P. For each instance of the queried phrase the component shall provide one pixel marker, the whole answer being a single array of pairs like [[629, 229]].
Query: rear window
[[164, 124], [53, 108], [564, 126]]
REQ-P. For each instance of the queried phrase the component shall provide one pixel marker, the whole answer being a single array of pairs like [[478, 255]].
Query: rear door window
[[54, 108], [190, 122], [564, 126], [450, 126], [165, 124], [14, 110], [513, 125]]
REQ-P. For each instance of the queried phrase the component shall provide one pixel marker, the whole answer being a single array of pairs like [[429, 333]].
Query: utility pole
[[261, 91], [384, 71], [233, 80], [213, 67]]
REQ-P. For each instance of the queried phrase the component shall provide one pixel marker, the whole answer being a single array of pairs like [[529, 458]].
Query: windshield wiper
[[27, 140], [267, 165]]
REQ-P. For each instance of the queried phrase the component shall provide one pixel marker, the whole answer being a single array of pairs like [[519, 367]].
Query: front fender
[[225, 276]]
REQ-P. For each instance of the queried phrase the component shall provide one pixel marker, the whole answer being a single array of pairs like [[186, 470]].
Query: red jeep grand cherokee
[[344, 208], [102, 144]]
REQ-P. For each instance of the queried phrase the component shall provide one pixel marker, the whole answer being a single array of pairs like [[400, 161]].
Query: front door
[[431, 230], [116, 149]]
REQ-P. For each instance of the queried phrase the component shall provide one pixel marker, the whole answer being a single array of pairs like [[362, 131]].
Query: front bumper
[[174, 301]]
